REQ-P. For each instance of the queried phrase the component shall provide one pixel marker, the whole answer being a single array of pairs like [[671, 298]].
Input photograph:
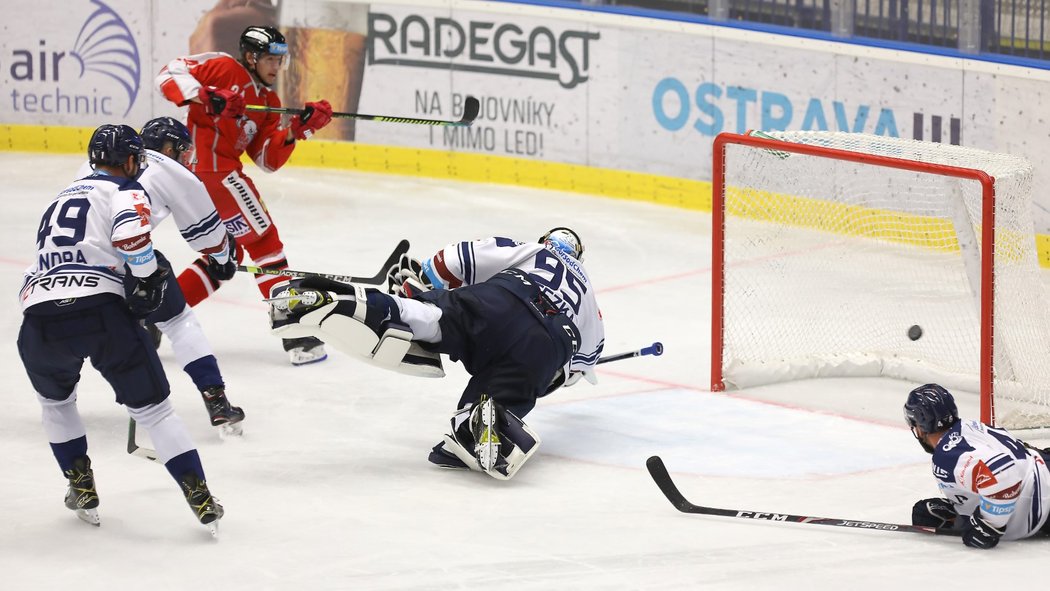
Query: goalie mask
[[564, 240]]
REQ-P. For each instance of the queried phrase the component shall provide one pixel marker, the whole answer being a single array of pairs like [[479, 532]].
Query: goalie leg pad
[[366, 324], [488, 438], [420, 362]]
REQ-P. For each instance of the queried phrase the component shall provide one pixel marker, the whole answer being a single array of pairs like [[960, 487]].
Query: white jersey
[[175, 191], [980, 466], [561, 277], [86, 236]]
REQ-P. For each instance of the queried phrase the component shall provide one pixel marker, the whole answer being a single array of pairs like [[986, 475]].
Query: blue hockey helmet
[[565, 240], [156, 133], [111, 145], [930, 408]]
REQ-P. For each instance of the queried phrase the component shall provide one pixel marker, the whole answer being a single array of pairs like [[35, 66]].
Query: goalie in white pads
[[994, 486], [521, 318]]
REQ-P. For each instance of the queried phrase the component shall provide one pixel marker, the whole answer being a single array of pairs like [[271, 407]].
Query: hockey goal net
[[828, 248]]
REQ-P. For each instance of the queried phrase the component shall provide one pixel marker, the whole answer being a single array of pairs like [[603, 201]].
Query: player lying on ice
[[521, 318], [994, 486]]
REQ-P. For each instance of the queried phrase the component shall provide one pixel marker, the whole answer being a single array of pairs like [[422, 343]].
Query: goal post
[[840, 254]]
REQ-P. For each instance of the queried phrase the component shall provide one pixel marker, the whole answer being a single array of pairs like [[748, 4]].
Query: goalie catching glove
[[406, 279]]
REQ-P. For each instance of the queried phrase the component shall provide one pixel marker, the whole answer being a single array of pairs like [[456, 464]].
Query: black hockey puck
[[915, 332]]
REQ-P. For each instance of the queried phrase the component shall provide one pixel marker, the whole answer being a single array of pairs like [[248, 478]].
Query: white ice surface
[[330, 487]]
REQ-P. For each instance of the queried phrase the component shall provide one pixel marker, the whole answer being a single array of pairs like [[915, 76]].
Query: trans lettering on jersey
[[64, 281]]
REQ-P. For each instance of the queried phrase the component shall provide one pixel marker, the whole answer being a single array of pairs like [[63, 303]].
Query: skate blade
[[230, 430], [213, 528], [89, 516]]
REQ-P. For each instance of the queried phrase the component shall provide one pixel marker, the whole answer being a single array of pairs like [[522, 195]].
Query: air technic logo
[[98, 75], [483, 47]]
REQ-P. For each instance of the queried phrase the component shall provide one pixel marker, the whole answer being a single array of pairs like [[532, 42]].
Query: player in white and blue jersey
[[76, 306], [521, 317], [175, 191], [994, 486]]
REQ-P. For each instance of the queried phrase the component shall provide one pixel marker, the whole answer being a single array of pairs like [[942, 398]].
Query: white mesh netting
[[828, 263]]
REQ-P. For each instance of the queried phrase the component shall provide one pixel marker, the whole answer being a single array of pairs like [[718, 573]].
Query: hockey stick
[[471, 107], [659, 473], [134, 448], [377, 279], [655, 349]]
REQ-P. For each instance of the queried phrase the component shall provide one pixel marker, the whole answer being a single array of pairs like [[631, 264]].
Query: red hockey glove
[[314, 117], [221, 102]]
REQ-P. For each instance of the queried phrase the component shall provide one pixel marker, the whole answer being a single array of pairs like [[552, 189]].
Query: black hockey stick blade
[[134, 448], [656, 349], [471, 108], [663, 480], [378, 279]]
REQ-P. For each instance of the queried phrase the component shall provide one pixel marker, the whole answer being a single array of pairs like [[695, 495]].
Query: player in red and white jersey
[[216, 87]]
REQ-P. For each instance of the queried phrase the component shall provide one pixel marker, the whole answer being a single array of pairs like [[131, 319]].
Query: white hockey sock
[[167, 431], [187, 337], [422, 318], [61, 418]]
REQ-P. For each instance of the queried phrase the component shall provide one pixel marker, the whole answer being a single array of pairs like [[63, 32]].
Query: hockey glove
[[406, 278], [978, 533], [314, 117], [221, 102], [936, 512], [147, 294], [226, 270]]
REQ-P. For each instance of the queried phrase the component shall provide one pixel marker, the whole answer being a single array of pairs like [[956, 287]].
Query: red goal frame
[[722, 140]]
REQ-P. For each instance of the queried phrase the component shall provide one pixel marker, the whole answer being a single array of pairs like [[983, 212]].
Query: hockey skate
[[305, 350], [81, 496], [223, 415], [204, 506]]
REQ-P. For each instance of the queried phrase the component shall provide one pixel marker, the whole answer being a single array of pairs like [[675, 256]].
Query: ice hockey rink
[[329, 488]]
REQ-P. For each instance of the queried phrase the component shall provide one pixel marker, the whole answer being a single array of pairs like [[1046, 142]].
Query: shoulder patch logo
[[983, 477]]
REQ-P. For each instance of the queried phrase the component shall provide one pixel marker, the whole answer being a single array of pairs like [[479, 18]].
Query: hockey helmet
[[931, 409], [263, 40], [111, 145], [158, 132], [564, 240]]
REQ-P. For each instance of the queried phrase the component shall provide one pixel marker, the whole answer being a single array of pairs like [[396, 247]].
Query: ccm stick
[[471, 107], [659, 473], [377, 279]]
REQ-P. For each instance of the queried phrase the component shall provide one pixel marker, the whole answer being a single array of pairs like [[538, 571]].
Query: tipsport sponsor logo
[[481, 46], [997, 508], [93, 68]]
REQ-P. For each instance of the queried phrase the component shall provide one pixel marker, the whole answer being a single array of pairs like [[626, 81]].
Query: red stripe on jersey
[[442, 270]]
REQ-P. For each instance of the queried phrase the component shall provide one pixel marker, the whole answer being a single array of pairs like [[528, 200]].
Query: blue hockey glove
[[980, 534]]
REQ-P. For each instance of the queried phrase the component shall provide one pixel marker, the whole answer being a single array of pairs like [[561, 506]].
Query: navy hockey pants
[[510, 351], [55, 340]]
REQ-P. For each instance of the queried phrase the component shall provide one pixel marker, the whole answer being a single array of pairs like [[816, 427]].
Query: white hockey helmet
[[565, 240]]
